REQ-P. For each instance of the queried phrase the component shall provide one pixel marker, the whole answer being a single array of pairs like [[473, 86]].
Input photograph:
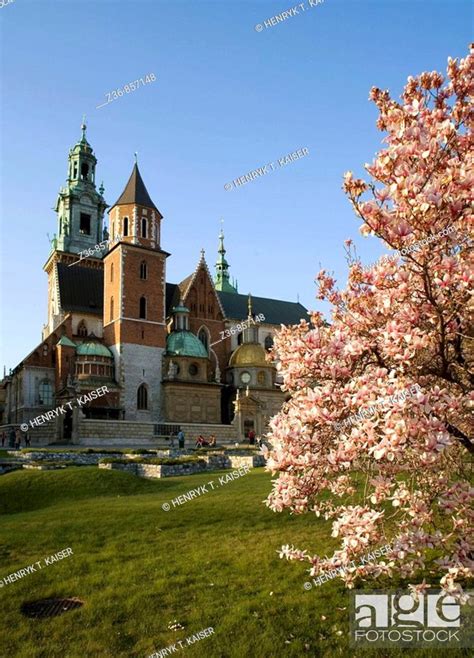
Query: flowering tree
[[399, 475]]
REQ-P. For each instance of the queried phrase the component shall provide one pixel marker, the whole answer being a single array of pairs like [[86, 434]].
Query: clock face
[[245, 378]]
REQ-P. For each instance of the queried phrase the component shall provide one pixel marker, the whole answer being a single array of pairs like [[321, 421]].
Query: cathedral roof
[[185, 343], [249, 354], [135, 192], [81, 289], [93, 348], [276, 311]]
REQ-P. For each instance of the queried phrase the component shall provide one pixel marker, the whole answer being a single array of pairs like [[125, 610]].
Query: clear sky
[[227, 100]]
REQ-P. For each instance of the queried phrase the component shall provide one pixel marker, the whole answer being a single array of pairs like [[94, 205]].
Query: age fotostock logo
[[393, 618]]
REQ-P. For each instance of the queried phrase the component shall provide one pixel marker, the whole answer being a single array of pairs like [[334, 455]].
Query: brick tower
[[134, 300]]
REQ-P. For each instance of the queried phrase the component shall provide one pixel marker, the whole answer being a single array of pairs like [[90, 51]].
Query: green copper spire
[[222, 278], [79, 206]]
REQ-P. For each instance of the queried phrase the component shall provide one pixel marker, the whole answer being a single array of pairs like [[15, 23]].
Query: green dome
[[91, 348], [185, 343]]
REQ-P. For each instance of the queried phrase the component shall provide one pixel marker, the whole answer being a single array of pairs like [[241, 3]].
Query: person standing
[[27, 440], [11, 438], [180, 439], [17, 439], [251, 438], [4, 436]]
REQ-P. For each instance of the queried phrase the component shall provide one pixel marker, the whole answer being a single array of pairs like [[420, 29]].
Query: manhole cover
[[49, 607]]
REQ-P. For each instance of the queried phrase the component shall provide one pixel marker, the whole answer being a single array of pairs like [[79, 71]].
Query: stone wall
[[73, 457], [95, 432], [212, 462]]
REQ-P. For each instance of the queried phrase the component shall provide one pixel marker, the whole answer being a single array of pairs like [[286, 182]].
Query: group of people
[[201, 442], [14, 438]]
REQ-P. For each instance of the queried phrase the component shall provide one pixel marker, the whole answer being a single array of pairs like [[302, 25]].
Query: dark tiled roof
[[81, 289], [136, 192], [172, 297], [275, 311]]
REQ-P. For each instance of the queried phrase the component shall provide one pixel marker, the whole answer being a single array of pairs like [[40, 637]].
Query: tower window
[[74, 174], [193, 369], [261, 378], [143, 270], [144, 227], [85, 224], [84, 171], [111, 271], [142, 312], [142, 397], [125, 225], [82, 329], [111, 309]]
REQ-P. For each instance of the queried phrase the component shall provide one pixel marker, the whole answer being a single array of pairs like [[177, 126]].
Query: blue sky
[[227, 100]]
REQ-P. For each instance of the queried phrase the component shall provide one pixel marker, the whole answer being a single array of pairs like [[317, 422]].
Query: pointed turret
[[134, 217], [136, 193], [222, 278]]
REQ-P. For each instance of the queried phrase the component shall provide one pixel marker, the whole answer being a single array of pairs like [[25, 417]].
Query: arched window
[[111, 271], [142, 311], [46, 393], [125, 225], [111, 309], [143, 270], [261, 378], [82, 328], [240, 338], [84, 171], [269, 342], [142, 397], [204, 338], [144, 227]]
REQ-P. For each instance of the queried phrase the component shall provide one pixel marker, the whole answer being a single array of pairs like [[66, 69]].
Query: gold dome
[[249, 354]]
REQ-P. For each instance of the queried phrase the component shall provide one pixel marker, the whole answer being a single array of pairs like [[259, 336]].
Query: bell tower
[[80, 207], [80, 214], [134, 299]]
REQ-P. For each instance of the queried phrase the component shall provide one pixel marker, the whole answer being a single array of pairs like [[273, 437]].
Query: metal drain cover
[[49, 607]]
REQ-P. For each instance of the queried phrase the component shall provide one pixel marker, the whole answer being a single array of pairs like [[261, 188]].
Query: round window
[[245, 378], [193, 369]]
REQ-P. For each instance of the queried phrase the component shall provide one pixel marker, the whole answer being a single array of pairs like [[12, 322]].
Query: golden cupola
[[248, 354]]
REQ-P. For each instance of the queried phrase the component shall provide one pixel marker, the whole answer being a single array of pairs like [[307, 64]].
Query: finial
[[249, 305], [298, 297], [221, 234], [83, 126], [202, 252], [136, 157], [102, 188]]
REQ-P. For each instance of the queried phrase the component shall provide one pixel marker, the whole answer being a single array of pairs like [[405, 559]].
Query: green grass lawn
[[210, 562]]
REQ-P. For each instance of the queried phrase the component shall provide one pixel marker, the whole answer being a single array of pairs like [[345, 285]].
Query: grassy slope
[[210, 562]]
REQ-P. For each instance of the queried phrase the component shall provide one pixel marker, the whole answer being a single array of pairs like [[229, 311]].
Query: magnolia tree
[[395, 473]]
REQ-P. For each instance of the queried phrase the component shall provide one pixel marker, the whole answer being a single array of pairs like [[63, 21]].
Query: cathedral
[[191, 354]]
